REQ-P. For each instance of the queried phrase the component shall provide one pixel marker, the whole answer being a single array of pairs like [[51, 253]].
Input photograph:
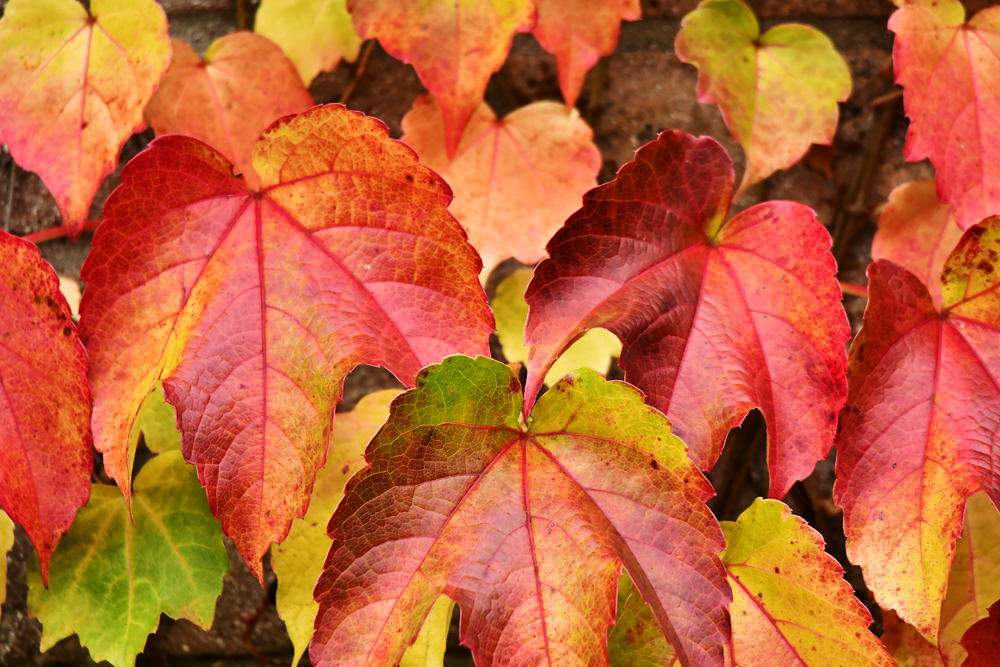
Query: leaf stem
[[241, 15], [359, 72], [58, 232], [854, 289]]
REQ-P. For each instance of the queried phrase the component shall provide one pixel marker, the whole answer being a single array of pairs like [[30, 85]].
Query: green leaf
[[110, 580], [636, 639], [428, 649], [595, 348], [298, 560], [158, 422]]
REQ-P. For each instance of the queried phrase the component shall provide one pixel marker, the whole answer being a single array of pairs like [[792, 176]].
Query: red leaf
[[45, 444], [243, 84], [525, 526], [715, 318], [917, 434], [950, 73], [579, 32], [454, 47], [982, 640], [253, 306]]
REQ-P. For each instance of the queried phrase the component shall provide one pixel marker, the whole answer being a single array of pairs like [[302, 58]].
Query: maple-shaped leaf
[[594, 349], [298, 560], [974, 581], [715, 317], [252, 305], [243, 84], [314, 34], [515, 180], [918, 232], [454, 45], [778, 92], [982, 640], [636, 639], [45, 443], [526, 527], [579, 32], [916, 436], [113, 575], [906, 645], [72, 88], [950, 73]]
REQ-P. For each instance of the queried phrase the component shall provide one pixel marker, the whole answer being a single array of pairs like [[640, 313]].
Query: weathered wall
[[646, 89]]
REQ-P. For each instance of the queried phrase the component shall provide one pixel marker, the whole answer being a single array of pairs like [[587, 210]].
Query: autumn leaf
[[227, 99], [157, 420], [515, 180], [906, 645], [715, 317], [314, 34], [918, 232], [579, 32], [298, 561], [429, 647], [950, 73], [982, 640], [454, 45], [6, 544], [525, 527], [974, 582], [594, 350], [916, 435], [636, 639], [252, 306], [778, 92], [45, 443], [72, 89], [113, 576]]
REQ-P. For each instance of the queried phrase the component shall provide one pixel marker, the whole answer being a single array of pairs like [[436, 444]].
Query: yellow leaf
[[314, 34], [428, 648]]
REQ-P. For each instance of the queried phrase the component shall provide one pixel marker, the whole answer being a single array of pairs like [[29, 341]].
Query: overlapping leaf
[[778, 91], [982, 641], [594, 350], [45, 442], [252, 306], [715, 317], [6, 544], [515, 180], [227, 99], [636, 639], [454, 45], [579, 32], [113, 575], [73, 86], [526, 528], [918, 232], [950, 73], [298, 561], [974, 581], [917, 434], [157, 420], [906, 645], [430, 645], [314, 34]]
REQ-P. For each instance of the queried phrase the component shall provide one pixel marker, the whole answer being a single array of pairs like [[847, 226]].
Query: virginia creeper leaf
[[715, 317], [526, 528], [252, 306], [918, 232], [579, 32], [974, 582], [515, 180], [429, 647], [594, 350], [112, 578], [45, 441], [636, 639], [778, 92], [950, 73], [157, 420], [298, 561], [906, 645], [6, 544], [982, 640], [314, 34], [227, 99], [455, 45], [916, 436], [73, 86]]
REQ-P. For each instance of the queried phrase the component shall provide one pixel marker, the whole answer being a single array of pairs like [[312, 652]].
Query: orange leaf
[[454, 46], [72, 89], [515, 180], [243, 84]]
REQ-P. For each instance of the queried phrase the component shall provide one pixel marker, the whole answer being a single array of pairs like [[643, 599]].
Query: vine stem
[[58, 232], [362, 64]]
